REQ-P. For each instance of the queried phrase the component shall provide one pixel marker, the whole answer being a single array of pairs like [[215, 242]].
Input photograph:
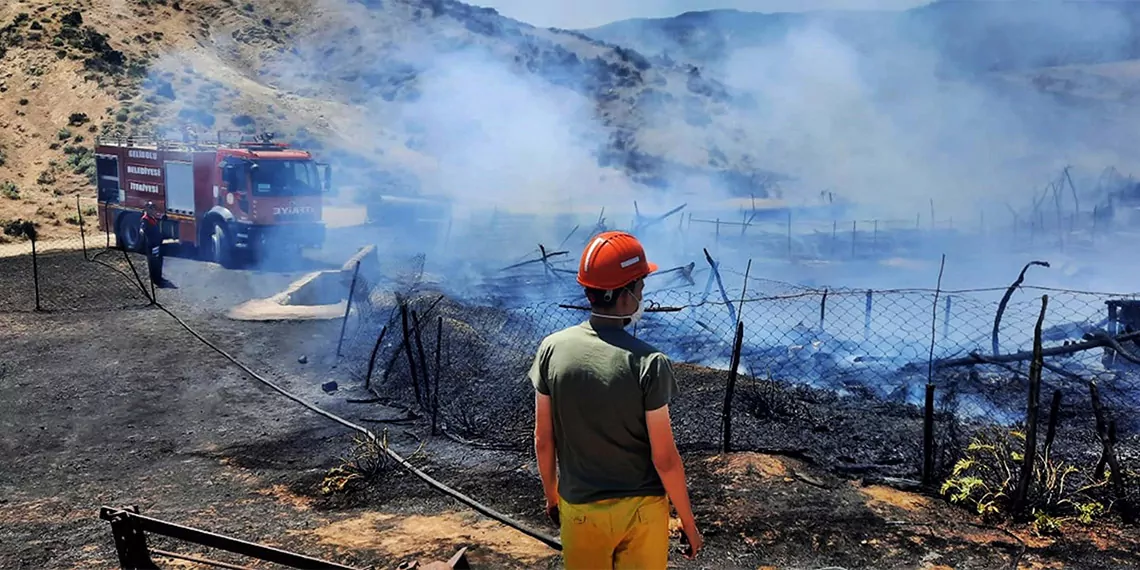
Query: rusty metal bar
[[136, 525]]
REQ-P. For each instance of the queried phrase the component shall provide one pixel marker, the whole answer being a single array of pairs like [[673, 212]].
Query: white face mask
[[633, 318], [637, 314]]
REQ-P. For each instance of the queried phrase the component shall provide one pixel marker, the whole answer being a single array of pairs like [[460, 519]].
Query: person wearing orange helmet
[[603, 437]]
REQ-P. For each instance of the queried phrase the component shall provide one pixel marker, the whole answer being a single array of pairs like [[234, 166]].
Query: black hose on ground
[[550, 541]]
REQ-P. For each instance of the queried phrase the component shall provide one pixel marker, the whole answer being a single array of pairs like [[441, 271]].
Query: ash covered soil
[[123, 407]]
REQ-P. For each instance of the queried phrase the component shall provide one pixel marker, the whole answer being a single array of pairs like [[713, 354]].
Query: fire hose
[[550, 541]]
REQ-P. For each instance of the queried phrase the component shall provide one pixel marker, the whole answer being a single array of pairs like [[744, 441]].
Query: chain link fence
[[73, 273], [837, 376], [896, 383]]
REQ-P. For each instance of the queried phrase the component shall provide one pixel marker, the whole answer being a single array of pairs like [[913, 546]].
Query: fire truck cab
[[230, 202]]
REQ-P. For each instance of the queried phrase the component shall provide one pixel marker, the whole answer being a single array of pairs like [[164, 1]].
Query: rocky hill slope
[[405, 95], [436, 96], [965, 36]]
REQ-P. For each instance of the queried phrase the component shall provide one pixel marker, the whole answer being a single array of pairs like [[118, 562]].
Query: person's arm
[[660, 387], [667, 461], [545, 449]]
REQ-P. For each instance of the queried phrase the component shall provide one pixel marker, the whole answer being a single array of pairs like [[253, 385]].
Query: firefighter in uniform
[[152, 240]]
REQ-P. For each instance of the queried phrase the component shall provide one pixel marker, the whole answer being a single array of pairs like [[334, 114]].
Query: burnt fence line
[[809, 363], [47, 274]]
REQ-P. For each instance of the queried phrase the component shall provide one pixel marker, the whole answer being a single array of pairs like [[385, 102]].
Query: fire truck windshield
[[285, 178]]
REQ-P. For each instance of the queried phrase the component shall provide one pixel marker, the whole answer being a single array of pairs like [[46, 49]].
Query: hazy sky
[[573, 14]]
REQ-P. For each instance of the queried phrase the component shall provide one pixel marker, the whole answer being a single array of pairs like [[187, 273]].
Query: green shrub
[[986, 480], [9, 191]]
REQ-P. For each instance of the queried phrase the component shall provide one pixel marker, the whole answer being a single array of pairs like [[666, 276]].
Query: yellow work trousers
[[627, 533]]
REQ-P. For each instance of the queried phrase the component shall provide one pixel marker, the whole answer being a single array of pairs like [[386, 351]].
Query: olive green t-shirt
[[601, 382]]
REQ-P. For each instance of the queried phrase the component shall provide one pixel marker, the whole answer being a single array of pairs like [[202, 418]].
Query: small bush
[[46, 177], [63, 134], [23, 102], [242, 120], [986, 479], [78, 119], [368, 461], [72, 19], [9, 191]]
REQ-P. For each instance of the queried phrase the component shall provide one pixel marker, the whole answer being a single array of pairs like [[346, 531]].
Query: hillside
[[435, 96], [965, 36], [408, 96]]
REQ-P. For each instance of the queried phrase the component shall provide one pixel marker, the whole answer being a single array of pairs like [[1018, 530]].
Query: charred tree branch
[[1005, 301], [723, 293]]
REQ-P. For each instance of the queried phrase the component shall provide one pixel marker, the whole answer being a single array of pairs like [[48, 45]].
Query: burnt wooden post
[[867, 315], [928, 415], [347, 308], [372, 358], [1054, 417], [726, 415], [822, 309], [1105, 432], [407, 345], [427, 403], [1035, 366], [438, 373], [928, 437]]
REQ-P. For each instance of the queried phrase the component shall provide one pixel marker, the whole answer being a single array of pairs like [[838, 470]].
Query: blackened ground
[[68, 282], [122, 407]]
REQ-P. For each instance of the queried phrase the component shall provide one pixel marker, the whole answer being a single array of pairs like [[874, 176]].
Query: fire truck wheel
[[221, 247], [127, 232]]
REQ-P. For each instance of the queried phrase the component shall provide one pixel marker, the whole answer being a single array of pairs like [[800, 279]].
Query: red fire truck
[[232, 202]]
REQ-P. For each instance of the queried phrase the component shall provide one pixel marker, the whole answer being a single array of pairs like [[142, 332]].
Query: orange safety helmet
[[613, 260]]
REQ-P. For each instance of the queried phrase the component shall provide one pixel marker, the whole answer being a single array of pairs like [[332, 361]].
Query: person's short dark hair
[[597, 297]]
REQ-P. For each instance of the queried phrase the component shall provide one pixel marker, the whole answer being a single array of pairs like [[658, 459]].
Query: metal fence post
[[31, 232], [82, 234]]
